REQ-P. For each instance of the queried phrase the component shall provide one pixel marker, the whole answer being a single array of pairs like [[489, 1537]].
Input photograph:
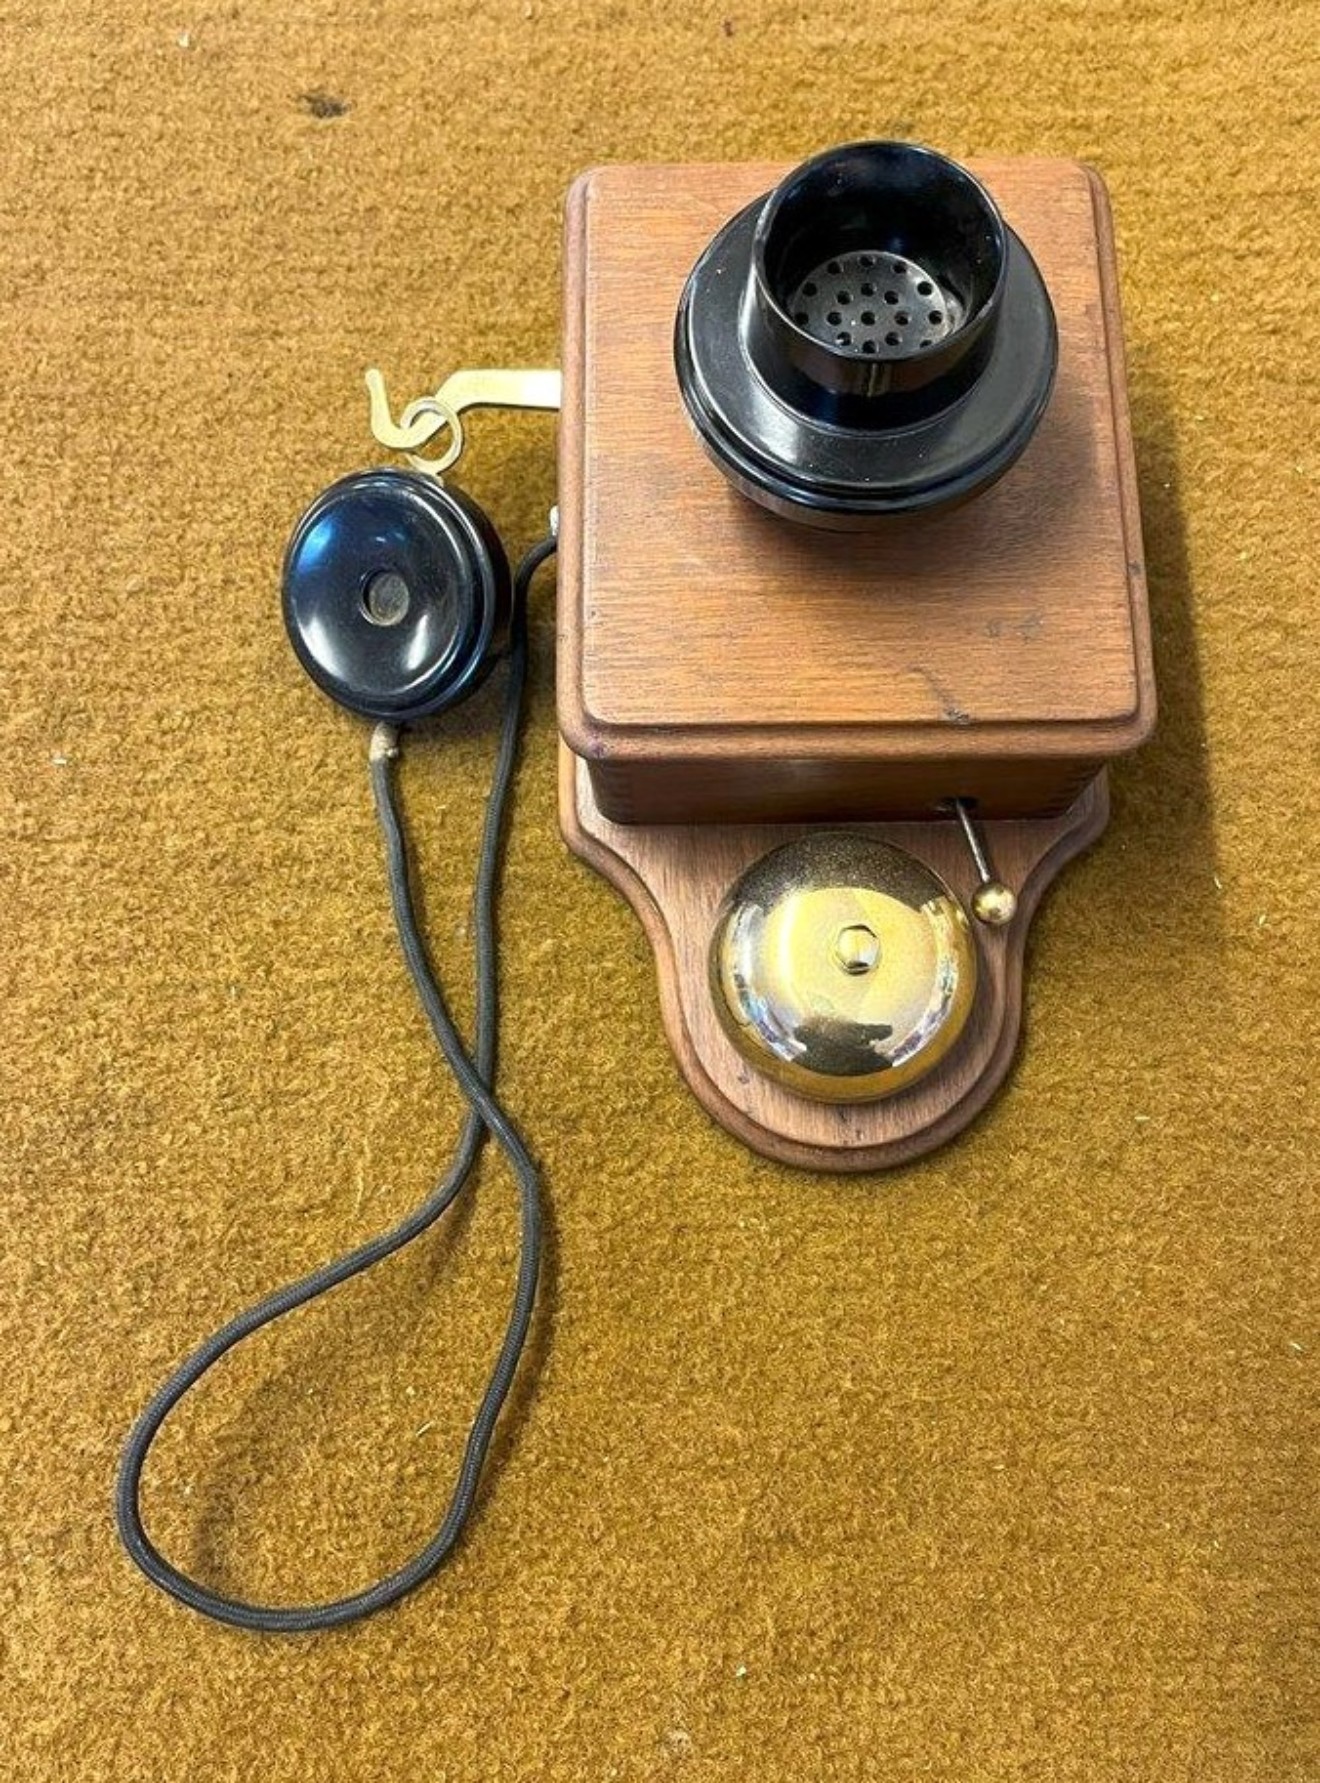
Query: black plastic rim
[[841, 422], [396, 594]]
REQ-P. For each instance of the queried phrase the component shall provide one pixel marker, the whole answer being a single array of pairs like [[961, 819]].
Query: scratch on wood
[[950, 710], [1026, 628]]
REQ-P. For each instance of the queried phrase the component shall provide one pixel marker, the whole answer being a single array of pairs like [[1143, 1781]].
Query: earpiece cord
[[474, 1077]]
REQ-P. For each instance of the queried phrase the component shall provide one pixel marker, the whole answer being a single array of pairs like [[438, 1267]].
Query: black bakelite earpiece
[[396, 594], [398, 600]]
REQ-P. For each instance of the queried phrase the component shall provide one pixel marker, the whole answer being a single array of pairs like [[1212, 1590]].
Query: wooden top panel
[[687, 610]]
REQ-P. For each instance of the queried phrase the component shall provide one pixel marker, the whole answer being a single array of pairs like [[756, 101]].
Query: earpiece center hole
[[385, 599]]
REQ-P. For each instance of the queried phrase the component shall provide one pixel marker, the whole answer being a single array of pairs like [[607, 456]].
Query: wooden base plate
[[675, 876]]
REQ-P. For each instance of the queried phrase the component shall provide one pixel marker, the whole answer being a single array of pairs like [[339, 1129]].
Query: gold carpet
[[998, 1467]]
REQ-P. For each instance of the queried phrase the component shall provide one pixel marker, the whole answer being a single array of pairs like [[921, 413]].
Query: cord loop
[[474, 1073]]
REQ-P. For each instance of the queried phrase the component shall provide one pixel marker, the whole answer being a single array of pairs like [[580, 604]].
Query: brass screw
[[857, 949]]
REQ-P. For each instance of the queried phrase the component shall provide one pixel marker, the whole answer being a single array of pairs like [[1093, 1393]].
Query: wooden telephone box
[[730, 679]]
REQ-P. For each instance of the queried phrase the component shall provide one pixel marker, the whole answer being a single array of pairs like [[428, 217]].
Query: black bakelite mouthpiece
[[396, 594], [869, 339]]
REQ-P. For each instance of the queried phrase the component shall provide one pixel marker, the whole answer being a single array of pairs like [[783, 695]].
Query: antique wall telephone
[[852, 615]]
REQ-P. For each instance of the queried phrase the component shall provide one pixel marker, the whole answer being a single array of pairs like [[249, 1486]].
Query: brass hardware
[[427, 416], [993, 903], [842, 967], [857, 948]]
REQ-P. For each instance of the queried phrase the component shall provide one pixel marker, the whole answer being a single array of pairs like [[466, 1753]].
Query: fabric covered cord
[[474, 1074]]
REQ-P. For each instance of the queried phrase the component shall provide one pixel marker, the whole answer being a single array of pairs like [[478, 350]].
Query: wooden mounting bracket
[[675, 876]]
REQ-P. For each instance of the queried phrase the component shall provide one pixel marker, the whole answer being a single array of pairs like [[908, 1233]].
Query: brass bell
[[843, 967]]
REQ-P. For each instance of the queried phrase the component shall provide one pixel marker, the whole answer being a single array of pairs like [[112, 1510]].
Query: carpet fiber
[[1001, 1466]]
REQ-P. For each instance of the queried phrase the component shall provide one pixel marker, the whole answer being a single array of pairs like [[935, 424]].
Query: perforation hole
[[839, 304]]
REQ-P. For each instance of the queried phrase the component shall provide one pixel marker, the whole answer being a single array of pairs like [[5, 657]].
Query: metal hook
[[426, 416]]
